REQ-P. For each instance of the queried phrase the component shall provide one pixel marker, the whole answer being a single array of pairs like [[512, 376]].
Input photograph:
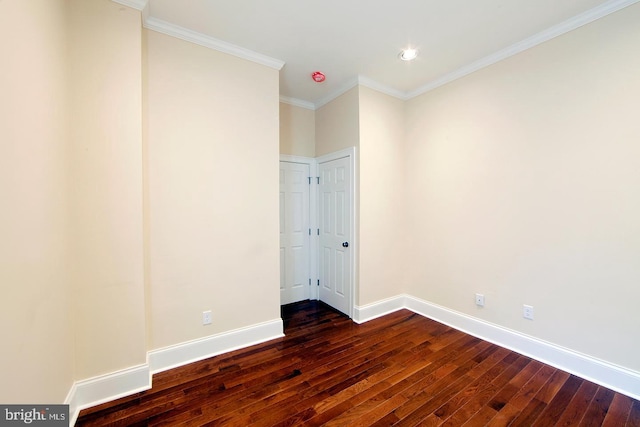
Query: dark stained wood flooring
[[400, 369]]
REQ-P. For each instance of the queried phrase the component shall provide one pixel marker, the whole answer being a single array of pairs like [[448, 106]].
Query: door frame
[[313, 163]]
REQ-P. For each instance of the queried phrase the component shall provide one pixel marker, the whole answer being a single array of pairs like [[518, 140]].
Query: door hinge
[[318, 282], [309, 180], [318, 231], [309, 232], [309, 281], [318, 179]]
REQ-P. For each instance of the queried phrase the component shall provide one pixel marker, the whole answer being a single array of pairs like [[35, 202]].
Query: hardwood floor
[[401, 369]]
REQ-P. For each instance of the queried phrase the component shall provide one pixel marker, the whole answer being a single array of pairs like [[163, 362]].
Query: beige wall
[[106, 182], [337, 125], [523, 185], [36, 361], [297, 131], [382, 244], [212, 143], [71, 251]]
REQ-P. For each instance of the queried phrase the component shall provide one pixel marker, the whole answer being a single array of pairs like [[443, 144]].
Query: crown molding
[[297, 102], [135, 4], [528, 43], [571, 24], [541, 37], [169, 29], [372, 84]]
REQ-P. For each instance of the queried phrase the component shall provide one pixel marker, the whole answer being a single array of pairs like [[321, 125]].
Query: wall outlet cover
[[207, 317]]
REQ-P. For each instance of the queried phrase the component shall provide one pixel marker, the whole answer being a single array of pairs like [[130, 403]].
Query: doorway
[[318, 264]]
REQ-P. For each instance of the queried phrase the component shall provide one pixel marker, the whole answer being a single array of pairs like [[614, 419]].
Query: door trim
[[349, 153]]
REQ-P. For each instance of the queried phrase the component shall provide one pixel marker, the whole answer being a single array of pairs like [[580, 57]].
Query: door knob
[[345, 245]]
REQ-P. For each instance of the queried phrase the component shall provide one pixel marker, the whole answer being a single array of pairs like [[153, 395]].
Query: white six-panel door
[[334, 220], [294, 232]]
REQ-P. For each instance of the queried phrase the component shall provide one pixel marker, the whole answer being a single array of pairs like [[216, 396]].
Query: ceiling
[[359, 40]]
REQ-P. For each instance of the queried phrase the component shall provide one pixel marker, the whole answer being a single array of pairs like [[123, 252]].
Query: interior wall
[[297, 131], [36, 363], [382, 240], [106, 186], [523, 186], [212, 183], [337, 125]]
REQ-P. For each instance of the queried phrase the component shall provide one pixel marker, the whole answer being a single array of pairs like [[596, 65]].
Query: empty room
[[435, 218]]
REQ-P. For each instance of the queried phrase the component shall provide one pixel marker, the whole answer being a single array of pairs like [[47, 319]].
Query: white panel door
[[334, 220], [294, 232]]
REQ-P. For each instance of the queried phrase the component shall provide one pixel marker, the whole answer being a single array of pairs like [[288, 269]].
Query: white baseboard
[[193, 351], [94, 391], [104, 388], [378, 309], [609, 375]]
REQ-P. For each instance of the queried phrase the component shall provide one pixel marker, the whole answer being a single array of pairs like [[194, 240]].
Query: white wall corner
[[297, 102], [344, 88], [193, 351], [362, 314], [105, 388]]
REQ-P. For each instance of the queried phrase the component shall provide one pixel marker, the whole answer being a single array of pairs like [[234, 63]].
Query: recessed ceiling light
[[409, 54]]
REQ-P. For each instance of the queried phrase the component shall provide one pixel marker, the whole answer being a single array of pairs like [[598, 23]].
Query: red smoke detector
[[318, 77]]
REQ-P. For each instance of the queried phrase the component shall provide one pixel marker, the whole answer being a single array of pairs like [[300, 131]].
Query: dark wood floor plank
[[400, 369], [505, 417], [597, 410], [481, 418], [492, 382], [514, 385], [460, 400], [576, 408], [424, 390], [529, 413], [526, 394], [559, 402], [634, 415], [552, 386], [618, 412]]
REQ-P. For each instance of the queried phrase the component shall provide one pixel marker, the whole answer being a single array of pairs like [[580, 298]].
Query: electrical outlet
[[480, 300], [206, 317], [527, 312]]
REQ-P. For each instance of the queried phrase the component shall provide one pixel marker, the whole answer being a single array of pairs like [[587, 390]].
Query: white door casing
[[295, 255], [335, 251]]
